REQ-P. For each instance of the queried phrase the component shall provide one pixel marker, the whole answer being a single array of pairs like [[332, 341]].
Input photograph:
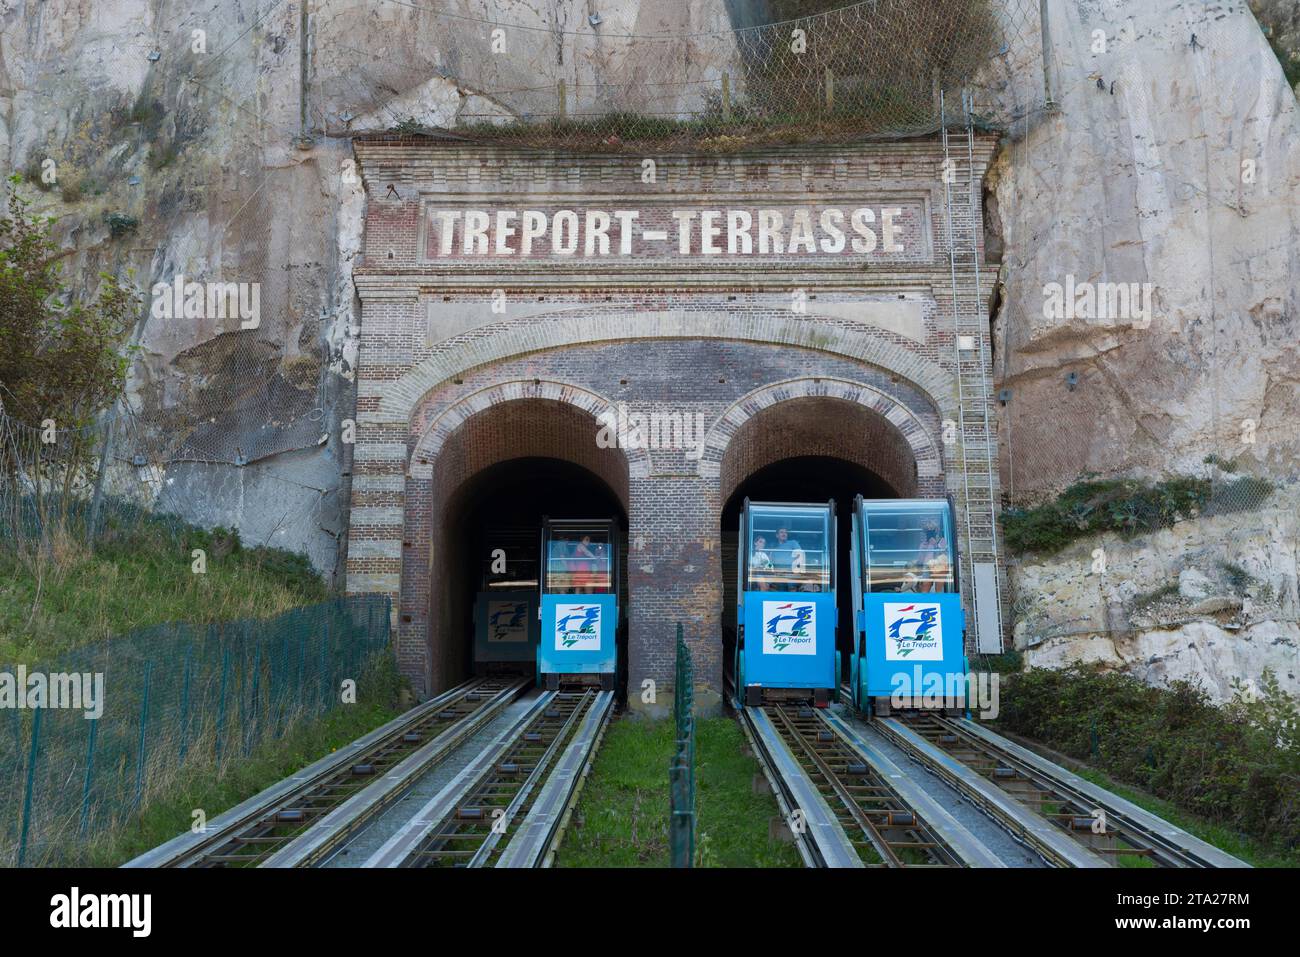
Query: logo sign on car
[[913, 631], [577, 627], [507, 621], [789, 628]]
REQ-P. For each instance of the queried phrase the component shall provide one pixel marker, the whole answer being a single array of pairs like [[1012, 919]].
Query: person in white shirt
[[760, 560]]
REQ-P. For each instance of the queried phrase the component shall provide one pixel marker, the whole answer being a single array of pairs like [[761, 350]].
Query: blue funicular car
[[579, 603], [506, 627], [908, 629], [786, 614]]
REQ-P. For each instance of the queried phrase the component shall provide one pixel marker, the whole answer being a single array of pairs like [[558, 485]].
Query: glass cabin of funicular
[[909, 547], [789, 548], [579, 558]]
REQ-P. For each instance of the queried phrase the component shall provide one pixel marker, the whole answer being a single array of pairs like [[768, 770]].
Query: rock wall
[[1214, 600], [1174, 161], [231, 149]]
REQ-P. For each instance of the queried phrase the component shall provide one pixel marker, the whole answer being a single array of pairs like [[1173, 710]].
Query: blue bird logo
[[587, 617], [800, 617], [516, 611], [925, 621]]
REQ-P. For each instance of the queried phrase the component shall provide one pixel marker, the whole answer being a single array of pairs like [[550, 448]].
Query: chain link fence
[[53, 480], [136, 713]]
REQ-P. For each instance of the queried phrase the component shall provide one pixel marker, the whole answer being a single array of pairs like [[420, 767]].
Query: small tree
[[61, 364]]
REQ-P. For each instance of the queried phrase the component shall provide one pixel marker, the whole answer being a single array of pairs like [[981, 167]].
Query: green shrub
[[1235, 765], [1127, 506], [119, 224]]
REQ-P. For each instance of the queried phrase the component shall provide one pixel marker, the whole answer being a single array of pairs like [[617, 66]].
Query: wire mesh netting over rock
[[865, 70]]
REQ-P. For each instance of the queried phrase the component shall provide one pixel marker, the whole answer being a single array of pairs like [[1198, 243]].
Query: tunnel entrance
[[501, 508], [810, 449], [491, 476]]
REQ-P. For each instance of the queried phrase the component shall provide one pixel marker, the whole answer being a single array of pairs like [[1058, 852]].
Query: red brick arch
[[837, 418], [438, 431]]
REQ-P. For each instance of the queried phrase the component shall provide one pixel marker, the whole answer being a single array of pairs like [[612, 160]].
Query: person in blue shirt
[[783, 551]]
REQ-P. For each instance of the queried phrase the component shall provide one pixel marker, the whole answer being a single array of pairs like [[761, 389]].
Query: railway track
[[1074, 822], [849, 806], [508, 807], [301, 817]]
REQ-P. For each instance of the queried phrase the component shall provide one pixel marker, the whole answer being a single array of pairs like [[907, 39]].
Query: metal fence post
[[144, 728], [681, 770], [221, 707], [31, 778], [185, 703], [250, 737], [324, 667], [88, 785]]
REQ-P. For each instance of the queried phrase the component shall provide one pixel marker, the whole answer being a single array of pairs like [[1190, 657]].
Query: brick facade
[[477, 357]]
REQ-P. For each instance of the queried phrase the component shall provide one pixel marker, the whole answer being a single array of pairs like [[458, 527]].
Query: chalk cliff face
[[1212, 600], [1173, 164]]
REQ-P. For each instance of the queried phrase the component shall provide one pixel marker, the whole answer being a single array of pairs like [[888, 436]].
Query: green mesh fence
[[681, 771], [175, 697]]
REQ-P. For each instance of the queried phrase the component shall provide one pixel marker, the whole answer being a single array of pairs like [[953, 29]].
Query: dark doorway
[[502, 507]]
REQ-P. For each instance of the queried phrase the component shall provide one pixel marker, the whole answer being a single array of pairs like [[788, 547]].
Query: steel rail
[[1049, 842], [523, 797], [533, 750], [966, 846], [863, 798], [399, 848], [811, 819], [576, 793], [277, 814], [533, 845], [347, 818], [784, 801], [1167, 844], [453, 826]]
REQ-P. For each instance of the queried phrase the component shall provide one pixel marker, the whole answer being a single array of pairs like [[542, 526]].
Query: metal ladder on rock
[[976, 452]]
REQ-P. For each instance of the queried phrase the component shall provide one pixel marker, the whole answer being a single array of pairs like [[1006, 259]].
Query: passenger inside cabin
[[584, 566], [914, 579], [760, 561], [938, 568], [786, 550]]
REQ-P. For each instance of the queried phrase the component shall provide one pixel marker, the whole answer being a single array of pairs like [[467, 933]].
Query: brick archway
[[519, 419], [878, 432], [439, 429], [396, 400]]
